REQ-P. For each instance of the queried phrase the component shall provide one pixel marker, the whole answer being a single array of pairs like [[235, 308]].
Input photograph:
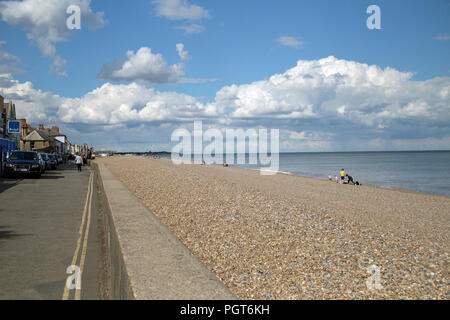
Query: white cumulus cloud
[[116, 104], [182, 10], [44, 22], [31, 103], [143, 65], [184, 55], [289, 42], [179, 10], [340, 90]]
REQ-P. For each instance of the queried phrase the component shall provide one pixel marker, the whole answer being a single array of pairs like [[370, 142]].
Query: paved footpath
[[47, 225]]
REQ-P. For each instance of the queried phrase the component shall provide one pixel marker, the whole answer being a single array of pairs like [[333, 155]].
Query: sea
[[421, 171]]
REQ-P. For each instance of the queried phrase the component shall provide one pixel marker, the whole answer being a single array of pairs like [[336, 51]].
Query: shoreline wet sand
[[291, 237]]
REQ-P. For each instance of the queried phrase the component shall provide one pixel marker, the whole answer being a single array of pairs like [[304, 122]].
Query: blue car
[[23, 163], [52, 161]]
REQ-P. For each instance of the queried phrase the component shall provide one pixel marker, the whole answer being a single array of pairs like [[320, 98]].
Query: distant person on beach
[[349, 179], [79, 162], [225, 164], [342, 175], [336, 179]]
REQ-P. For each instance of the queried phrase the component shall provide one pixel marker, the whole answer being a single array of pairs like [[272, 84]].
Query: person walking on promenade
[[79, 162]]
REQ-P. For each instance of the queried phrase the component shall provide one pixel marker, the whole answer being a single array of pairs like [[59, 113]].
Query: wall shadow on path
[[6, 233]]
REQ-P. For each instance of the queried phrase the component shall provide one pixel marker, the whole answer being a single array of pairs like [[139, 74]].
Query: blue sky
[[235, 43]]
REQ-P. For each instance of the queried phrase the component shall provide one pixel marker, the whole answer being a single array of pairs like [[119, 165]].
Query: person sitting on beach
[[225, 164]]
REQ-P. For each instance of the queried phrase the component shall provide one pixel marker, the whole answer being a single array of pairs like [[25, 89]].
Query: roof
[[38, 135]]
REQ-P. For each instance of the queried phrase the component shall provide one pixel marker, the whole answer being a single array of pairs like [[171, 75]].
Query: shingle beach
[[291, 237]]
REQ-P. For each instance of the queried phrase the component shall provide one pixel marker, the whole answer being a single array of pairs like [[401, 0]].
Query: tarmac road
[[40, 224]]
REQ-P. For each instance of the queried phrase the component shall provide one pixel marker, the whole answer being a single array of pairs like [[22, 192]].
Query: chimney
[[41, 127], [55, 129]]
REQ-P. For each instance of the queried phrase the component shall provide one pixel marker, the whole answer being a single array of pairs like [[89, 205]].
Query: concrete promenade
[[40, 223]]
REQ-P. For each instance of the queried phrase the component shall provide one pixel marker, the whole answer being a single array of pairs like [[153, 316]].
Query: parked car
[[52, 161], [46, 160], [23, 163]]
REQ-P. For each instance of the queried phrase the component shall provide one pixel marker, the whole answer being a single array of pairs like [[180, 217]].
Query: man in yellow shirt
[[342, 175]]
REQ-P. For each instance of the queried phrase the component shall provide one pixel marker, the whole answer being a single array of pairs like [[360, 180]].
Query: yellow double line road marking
[[86, 213]]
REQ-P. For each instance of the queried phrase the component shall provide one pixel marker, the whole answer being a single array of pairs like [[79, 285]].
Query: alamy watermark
[[73, 22], [251, 146], [374, 281], [374, 20], [74, 280]]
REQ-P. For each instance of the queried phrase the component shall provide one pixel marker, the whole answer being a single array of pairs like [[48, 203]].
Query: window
[[18, 155]]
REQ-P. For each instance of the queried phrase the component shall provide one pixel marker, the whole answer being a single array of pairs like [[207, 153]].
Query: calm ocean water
[[422, 171]]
